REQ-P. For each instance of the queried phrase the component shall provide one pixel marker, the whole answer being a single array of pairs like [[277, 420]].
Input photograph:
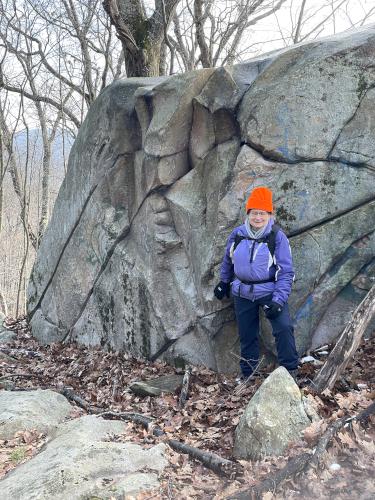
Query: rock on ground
[[5, 334], [156, 386], [274, 418], [80, 462], [155, 186], [41, 410]]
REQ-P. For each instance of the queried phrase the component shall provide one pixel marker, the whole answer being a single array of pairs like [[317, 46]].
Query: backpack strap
[[270, 239], [237, 240]]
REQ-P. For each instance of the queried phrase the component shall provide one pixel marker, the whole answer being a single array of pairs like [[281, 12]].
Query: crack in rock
[[74, 227]]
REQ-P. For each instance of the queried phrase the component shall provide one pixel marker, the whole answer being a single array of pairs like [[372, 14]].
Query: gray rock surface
[[6, 335], [153, 189], [80, 461], [274, 418], [42, 410]]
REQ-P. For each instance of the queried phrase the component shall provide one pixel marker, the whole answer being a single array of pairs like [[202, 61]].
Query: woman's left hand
[[273, 310]]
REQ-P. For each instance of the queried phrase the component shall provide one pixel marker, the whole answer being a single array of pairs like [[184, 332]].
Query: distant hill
[[62, 144]]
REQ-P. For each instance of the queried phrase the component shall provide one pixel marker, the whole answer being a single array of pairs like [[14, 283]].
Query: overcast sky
[[266, 33]]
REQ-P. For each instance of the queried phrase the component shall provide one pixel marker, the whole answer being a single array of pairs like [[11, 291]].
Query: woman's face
[[258, 218]]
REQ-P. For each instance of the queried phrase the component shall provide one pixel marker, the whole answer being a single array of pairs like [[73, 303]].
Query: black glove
[[273, 310], [222, 289]]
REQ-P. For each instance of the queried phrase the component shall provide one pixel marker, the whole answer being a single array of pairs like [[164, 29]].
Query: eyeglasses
[[258, 213]]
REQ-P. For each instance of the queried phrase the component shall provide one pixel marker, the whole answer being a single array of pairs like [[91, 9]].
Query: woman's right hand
[[222, 289]]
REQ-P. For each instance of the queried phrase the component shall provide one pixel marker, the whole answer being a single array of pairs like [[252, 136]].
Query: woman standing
[[258, 269]]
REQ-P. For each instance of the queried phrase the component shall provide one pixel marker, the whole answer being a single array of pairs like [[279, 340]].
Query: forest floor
[[207, 421]]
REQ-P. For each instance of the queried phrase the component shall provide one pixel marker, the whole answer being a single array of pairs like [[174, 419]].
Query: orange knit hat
[[261, 199]]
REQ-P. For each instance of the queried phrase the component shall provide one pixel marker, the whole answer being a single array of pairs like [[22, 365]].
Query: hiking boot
[[242, 379]]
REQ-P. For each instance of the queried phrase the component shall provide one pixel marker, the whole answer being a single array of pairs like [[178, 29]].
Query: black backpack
[[270, 239]]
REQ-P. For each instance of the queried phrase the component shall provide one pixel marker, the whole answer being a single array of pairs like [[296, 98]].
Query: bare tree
[[59, 60], [208, 34], [73, 47], [18, 233], [11, 166], [309, 19], [54, 61], [205, 34], [141, 33]]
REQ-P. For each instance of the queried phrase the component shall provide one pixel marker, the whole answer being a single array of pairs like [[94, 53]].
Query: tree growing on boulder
[[204, 35], [141, 36]]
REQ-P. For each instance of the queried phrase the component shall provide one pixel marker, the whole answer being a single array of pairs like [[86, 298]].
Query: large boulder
[[81, 461], [274, 418], [42, 410], [154, 187]]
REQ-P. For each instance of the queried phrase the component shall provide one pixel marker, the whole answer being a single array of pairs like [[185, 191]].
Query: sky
[[274, 31]]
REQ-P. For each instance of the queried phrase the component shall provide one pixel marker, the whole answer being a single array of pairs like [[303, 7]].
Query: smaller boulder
[[154, 387], [274, 418], [5, 334]]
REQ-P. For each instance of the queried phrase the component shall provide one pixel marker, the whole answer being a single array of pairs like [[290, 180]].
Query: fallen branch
[[212, 461], [71, 396], [295, 466], [346, 345], [334, 428], [185, 387], [302, 462], [137, 418]]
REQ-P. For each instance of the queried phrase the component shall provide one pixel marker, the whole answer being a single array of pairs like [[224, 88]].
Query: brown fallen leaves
[[19, 449], [207, 421]]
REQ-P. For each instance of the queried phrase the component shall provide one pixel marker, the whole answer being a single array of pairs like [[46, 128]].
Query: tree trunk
[[142, 61], [185, 388], [163, 60], [141, 36], [201, 39], [346, 345], [2, 174], [3, 305]]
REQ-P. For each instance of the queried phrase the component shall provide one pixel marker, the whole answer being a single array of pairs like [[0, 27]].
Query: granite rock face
[[158, 178]]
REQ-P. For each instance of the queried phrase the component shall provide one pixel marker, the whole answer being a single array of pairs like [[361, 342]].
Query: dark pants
[[247, 314]]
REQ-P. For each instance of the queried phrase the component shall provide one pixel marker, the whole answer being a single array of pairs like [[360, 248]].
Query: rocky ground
[[207, 421]]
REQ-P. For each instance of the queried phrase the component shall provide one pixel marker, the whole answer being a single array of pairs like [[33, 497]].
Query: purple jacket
[[236, 266]]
